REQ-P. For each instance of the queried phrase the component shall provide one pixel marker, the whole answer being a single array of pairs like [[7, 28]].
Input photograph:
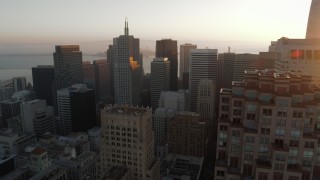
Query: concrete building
[[178, 166], [19, 83], [128, 139], [314, 20], [301, 55], [39, 159], [43, 83], [186, 134], [267, 60], [76, 109], [173, 100], [168, 48], [67, 60], [117, 173], [126, 54], [94, 137], [160, 124], [37, 117], [160, 79], [203, 65], [184, 57], [267, 127]]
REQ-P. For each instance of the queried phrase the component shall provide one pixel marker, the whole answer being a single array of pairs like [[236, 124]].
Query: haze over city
[[246, 26]]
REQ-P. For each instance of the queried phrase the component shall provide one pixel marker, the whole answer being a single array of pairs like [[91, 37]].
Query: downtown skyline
[[218, 24]]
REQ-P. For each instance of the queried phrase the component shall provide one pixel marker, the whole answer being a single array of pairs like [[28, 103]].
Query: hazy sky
[[65, 21]]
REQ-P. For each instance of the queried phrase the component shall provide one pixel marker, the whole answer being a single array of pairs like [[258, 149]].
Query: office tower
[[234, 65], [203, 65], [19, 83], [160, 79], [186, 134], [168, 48], [103, 79], [267, 60], [76, 109], [173, 100], [267, 127], [313, 30], [300, 55], [6, 93], [88, 70], [126, 52], [43, 83], [184, 58], [128, 140], [37, 117], [160, 124], [67, 60], [206, 99], [244, 62], [228, 62]]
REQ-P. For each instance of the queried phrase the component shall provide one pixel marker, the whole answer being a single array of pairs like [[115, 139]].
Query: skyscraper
[[67, 66], [128, 140], [19, 83], [102, 79], [126, 49], [184, 58], [76, 109], [313, 30], [244, 62], [227, 61], [168, 48], [160, 79], [203, 65], [43, 83]]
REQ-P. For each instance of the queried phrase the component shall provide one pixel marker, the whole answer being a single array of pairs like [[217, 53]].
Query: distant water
[[20, 65]]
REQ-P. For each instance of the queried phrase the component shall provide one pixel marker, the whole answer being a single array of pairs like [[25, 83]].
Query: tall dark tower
[[43, 83], [169, 48], [67, 66], [313, 29]]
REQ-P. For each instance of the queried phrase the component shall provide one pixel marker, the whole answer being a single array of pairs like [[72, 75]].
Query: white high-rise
[[313, 29], [160, 79], [184, 57], [203, 65]]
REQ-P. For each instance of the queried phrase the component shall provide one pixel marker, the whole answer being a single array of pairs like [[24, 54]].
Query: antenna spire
[[126, 27]]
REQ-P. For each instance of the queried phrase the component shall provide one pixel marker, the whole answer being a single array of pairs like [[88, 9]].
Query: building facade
[[128, 139], [168, 48], [43, 83], [203, 65], [184, 57], [268, 128], [160, 79]]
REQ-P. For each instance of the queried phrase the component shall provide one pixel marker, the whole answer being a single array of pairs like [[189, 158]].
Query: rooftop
[[126, 109], [116, 173], [38, 151]]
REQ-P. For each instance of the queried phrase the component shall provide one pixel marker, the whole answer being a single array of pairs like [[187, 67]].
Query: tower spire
[[126, 28]]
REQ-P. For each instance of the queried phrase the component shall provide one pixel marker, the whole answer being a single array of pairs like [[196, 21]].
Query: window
[[236, 120], [309, 144], [234, 162], [251, 116], [280, 131], [225, 108], [279, 166], [237, 103], [237, 112], [220, 173], [283, 102], [294, 143], [265, 130], [307, 154], [262, 176], [297, 114], [252, 107], [248, 148], [293, 178], [249, 139], [248, 157], [280, 157], [264, 140], [223, 128], [295, 133], [282, 114], [278, 176], [263, 149], [225, 100], [267, 112], [247, 169], [293, 152], [305, 175]]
